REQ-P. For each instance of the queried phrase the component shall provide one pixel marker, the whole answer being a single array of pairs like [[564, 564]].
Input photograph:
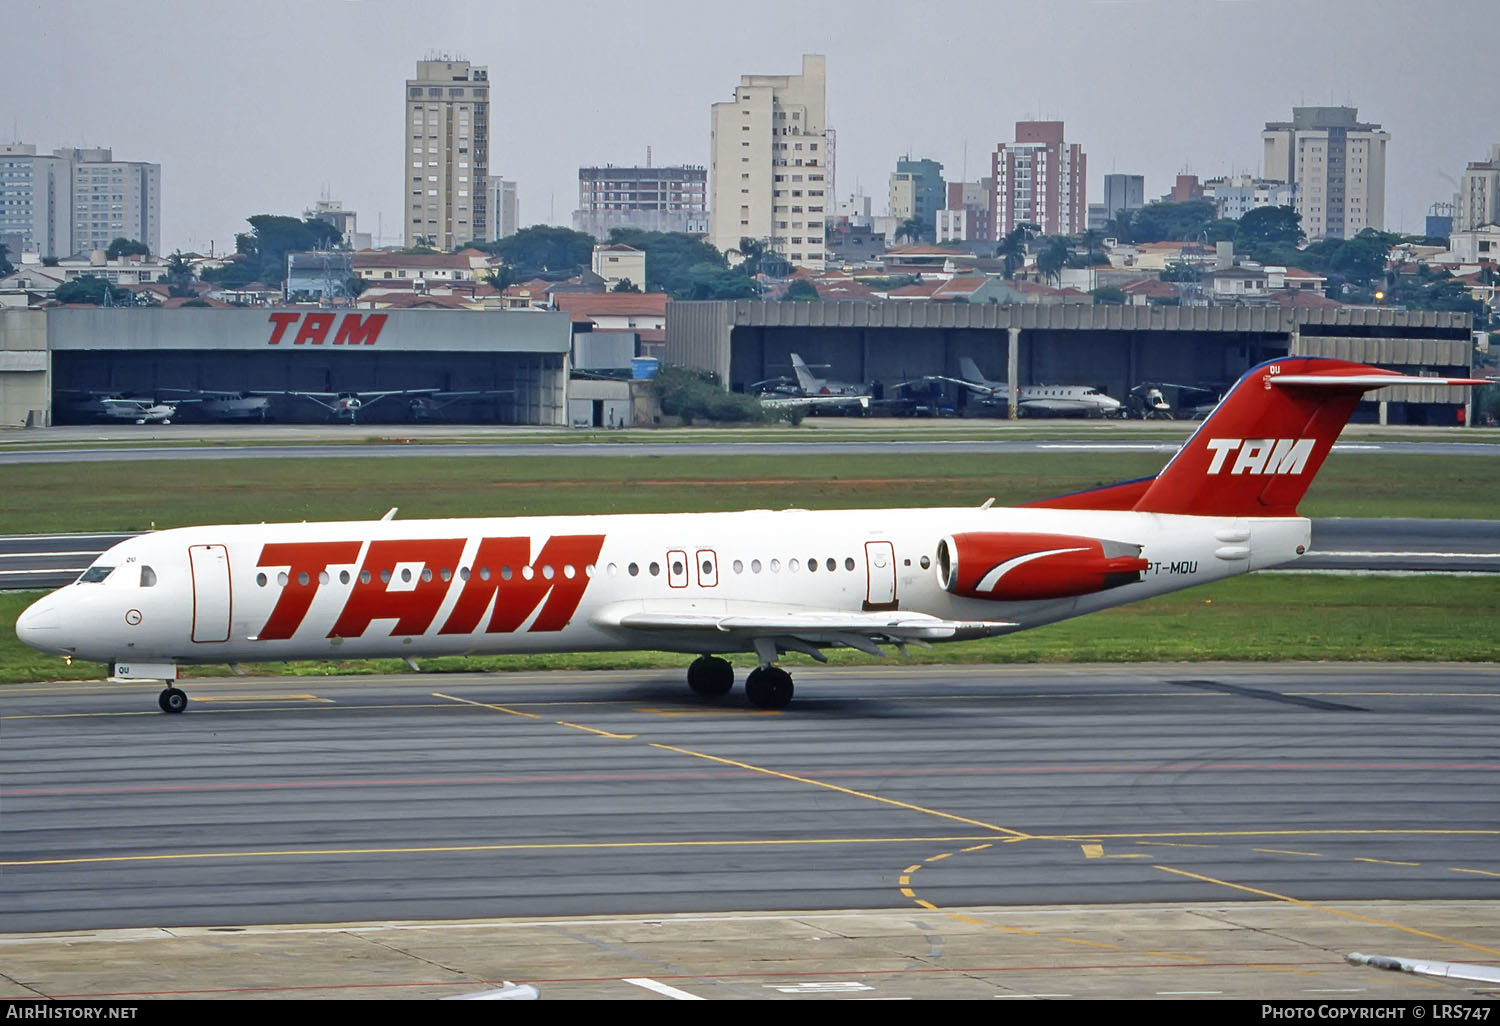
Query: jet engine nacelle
[[1019, 567]]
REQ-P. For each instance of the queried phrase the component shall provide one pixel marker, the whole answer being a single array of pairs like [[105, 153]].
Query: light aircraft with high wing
[[1050, 400], [760, 581], [422, 403], [122, 406], [220, 405], [813, 392]]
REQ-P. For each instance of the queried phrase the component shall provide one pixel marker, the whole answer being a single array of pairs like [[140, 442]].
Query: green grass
[[1257, 617], [131, 496]]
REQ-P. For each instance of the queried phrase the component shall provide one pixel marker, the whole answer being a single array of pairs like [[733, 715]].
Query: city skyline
[[244, 122]]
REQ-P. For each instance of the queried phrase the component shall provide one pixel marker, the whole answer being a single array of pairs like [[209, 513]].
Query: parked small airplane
[[1053, 400], [759, 581], [122, 406], [423, 403], [813, 392], [216, 405], [1162, 400], [347, 405]]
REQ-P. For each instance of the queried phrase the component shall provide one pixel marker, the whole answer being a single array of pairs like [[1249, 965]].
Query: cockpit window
[[95, 574], [148, 577]]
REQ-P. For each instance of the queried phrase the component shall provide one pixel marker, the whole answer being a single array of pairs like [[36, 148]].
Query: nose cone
[[40, 625]]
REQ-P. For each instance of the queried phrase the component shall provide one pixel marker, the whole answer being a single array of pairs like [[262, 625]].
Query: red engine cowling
[[1020, 567]]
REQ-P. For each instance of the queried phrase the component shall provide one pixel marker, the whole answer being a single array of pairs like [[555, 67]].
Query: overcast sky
[[264, 106]]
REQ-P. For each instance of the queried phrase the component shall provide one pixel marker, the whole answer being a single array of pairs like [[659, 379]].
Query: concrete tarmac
[[1013, 832]]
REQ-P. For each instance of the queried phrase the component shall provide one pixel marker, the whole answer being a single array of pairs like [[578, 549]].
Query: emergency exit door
[[880, 565]]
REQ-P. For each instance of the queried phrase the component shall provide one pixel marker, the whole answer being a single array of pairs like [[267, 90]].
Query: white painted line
[[1407, 552], [662, 988], [1111, 446], [1182, 993], [1017, 996]]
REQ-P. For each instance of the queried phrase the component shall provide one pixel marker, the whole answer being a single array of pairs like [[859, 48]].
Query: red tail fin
[[1258, 451]]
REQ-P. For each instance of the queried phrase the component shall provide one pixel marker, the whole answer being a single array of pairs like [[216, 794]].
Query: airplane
[[761, 581], [1149, 401], [217, 405], [1056, 400], [815, 393], [422, 402], [122, 406], [348, 404]]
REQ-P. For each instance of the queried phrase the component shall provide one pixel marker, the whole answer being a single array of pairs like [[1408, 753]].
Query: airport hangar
[[522, 358], [1111, 347]]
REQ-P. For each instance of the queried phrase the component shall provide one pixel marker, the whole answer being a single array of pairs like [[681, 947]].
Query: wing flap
[[831, 626]]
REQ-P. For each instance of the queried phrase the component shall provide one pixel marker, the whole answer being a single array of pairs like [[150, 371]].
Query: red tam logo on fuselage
[[353, 329], [407, 580]]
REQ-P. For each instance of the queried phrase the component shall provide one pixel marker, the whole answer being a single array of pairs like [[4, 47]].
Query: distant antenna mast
[[648, 156]]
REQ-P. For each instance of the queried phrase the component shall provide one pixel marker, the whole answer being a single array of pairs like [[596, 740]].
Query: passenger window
[[655, 569], [148, 577]]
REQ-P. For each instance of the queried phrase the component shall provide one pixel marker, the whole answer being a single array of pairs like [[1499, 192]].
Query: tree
[[5, 265], [911, 230], [89, 288], [123, 247], [625, 285], [801, 290], [179, 275], [1108, 295], [1160, 222], [1013, 247], [1052, 258], [262, 250], [674, 260], [1269, 226], [543, 251], [697, 395]]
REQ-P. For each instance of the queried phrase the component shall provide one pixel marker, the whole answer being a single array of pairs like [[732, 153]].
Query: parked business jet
[[1051, 400], [761, 581]]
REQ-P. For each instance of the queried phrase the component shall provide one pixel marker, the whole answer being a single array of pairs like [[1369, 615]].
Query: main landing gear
[[767, 687], [172, 700]]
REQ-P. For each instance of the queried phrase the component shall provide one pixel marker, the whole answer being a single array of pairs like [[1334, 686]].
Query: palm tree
[[910, 230]]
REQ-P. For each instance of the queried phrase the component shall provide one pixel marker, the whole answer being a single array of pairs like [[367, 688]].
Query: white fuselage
[[497, 585]]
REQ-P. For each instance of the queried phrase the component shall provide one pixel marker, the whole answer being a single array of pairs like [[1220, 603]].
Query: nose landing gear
[[172, 700]]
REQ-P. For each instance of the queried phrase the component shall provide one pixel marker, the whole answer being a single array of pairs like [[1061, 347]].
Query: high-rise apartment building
[[654, 199], [77, 200], [114, 199], [917, 192], [1123, 193], [502, 209], [1040, 179], [768, 175], [1478, 199], [1336, 165], [447, 153], [36, 200]]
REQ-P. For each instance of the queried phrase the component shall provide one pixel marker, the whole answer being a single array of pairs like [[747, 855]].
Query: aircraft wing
[[974, 386], [802, 629], [804, 401]]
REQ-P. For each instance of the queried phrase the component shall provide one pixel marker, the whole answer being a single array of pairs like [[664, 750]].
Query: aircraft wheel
[[768, 687], [710, 676], [172, 700]]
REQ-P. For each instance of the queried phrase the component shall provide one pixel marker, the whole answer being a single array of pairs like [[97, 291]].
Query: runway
[[625, 449], [965, 822]]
